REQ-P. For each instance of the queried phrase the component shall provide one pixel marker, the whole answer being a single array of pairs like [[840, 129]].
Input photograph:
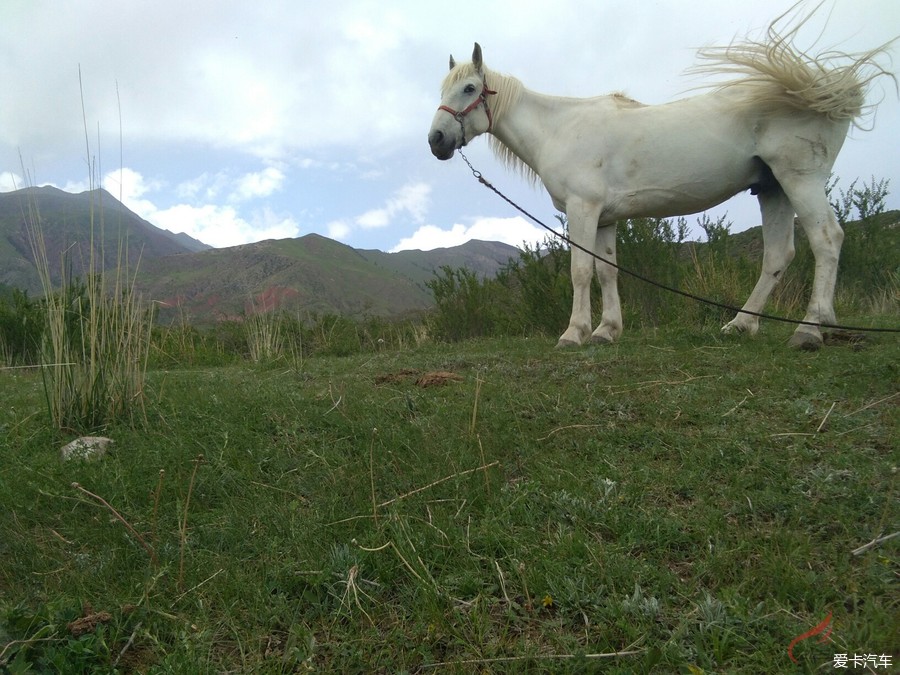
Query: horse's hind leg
[[825, 238], [778, 251], [610, 327]]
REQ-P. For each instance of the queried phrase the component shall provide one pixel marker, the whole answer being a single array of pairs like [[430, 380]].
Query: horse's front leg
[[610, 328], [580, 320], [582, 221]]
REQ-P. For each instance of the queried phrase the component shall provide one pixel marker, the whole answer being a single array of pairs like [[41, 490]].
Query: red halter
[[459, 115]]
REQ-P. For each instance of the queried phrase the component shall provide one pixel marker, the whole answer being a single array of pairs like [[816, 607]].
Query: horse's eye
[[470, 89]]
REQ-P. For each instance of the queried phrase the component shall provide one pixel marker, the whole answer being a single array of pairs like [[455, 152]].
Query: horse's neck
[[533, 123], [524, 127]]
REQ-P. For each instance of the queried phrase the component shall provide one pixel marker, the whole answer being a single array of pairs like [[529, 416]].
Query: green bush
[[533, 294], [467, 306], [182, 345], [651, 248], [21, 328], [540, 288]]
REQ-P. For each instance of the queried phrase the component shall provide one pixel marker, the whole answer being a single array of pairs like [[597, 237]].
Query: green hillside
[[182, 275], [71, 224]]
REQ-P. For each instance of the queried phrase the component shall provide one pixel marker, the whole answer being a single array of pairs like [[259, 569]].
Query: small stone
[[86, 448]]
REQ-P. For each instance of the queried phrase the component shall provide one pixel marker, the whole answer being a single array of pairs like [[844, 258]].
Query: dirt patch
[[430, 379], [396, 378], [437, 378], [89, 622], [856, 341]]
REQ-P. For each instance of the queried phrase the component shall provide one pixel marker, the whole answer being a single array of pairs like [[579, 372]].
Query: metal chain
[[677, 291]]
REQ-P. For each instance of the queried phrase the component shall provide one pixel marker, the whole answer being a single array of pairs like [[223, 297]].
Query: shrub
[[540, 288], [21, 328], [467, 306], [533, 294]]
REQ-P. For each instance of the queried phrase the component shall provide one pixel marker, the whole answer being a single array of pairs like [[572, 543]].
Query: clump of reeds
[[263, 333], [96, 343]]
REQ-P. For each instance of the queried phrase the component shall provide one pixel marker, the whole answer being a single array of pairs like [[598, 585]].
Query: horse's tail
[[830, 83]]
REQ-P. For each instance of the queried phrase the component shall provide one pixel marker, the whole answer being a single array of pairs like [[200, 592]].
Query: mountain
[[310, 274], [482, 257], [184, 277], [69, 222]]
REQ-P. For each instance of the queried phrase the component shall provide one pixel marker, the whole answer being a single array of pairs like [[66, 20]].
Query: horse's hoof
[[808, 342], [739, 328], [566, 344], [601, 340]]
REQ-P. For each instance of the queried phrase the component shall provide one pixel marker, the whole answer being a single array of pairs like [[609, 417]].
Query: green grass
[[692, 499]]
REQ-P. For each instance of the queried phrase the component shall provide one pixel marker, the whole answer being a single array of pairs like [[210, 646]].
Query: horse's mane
[[509, 90], [831, 83]]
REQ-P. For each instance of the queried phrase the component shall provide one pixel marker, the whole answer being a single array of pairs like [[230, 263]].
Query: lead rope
[[677, 291]]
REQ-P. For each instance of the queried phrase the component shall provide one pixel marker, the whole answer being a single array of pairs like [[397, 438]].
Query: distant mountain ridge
[[309, 274], [183, 276], [67, 221]]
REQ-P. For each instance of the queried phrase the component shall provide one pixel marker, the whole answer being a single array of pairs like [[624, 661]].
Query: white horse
[[775, 129]]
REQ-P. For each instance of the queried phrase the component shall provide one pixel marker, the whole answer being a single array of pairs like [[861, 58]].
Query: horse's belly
[[675, 200]]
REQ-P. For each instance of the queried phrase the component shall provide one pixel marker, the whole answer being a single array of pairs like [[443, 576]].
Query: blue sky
[[236, 122]]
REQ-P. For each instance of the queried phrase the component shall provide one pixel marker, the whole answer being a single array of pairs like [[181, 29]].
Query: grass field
[[674, 503]]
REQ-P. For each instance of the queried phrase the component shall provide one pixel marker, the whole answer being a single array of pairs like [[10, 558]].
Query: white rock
[[87, 448]]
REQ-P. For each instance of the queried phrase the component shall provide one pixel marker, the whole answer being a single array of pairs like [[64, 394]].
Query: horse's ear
[[452, 62], [476, 57]]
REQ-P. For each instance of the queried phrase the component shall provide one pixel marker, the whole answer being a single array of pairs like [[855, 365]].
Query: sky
[[236, 122]]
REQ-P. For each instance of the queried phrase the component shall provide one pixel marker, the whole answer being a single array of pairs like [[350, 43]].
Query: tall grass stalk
[[183, 524], [263, 332], [95, 348], [147, 547], [96, 343]]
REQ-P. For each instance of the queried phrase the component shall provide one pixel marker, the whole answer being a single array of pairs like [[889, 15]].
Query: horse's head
[[464, 112]]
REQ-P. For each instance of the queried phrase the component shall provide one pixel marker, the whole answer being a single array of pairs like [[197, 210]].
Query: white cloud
[[411, 199], [374, 218], [225, 185], [514, 231], [204, 187], [338, 229], [76, 186], [259, 184], [212, 223], [129, 187], [10, 181], [222, 225], [267, 224]]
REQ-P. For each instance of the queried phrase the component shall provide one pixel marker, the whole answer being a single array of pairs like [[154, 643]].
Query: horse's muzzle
[[441, 147]]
